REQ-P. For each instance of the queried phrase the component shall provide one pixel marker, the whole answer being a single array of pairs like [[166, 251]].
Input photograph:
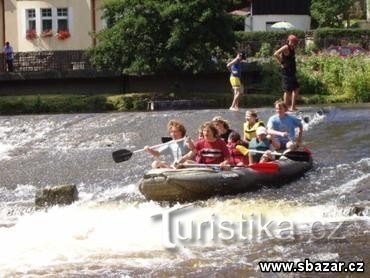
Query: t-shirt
[[176, 149], [211, 152], [236, 70], [8, 51], [288, 123]]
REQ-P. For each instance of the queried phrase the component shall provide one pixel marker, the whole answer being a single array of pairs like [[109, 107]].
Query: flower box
[[46, 33], [31, 34], [62, 35]]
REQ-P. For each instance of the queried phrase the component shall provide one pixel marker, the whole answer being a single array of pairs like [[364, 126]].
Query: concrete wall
[[91, 82]]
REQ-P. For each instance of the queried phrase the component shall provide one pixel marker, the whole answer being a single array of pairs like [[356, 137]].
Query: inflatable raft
[[200, 183]]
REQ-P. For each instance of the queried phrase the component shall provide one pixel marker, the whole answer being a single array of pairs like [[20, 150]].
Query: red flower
[[31, 34], [62, 35]]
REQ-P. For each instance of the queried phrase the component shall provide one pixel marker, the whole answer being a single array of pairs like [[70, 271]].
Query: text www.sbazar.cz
[[308, 266]]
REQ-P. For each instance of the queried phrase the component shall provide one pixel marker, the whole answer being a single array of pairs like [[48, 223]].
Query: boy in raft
[[261, 143], [176, 150], [210, 149], [283, 126]]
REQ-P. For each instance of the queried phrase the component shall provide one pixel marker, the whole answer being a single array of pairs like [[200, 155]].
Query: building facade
[[32, 25], [265, 13]]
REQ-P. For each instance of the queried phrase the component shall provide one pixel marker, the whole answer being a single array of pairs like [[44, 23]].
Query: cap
[[292, 38], [261, 130]]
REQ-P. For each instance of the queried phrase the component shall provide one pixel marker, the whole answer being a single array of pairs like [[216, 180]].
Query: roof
[[242, 12]]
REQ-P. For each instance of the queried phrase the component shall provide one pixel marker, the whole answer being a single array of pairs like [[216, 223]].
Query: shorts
[[235, 82], [289, 83]]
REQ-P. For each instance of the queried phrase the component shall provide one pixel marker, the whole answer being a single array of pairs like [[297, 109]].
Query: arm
[[278, 53], [275, 144], [300, 133], [225, 165], [188, 156], [153, 152], [234, 61], [278, 133]]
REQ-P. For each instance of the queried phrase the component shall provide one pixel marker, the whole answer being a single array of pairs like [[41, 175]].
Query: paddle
[[166, 139], [124, 155], [293, 155], [264, 167]]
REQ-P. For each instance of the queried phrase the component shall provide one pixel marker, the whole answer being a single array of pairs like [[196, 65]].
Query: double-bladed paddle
[[293, 155], [124, 155], [265, 167]]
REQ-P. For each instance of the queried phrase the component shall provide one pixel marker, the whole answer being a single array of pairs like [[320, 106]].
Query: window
[[31, 19], [62, 19], [46, 20]]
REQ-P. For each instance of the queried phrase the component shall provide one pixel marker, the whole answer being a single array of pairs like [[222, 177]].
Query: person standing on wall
[[9, 56], [235, 68], [286, 57]]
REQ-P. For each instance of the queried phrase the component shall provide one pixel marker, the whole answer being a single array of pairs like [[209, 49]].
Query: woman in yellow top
[[251, 124]]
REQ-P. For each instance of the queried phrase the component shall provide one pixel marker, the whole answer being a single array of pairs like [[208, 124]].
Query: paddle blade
[[265, 167], [166, 139], [298, 156], [121, 155]]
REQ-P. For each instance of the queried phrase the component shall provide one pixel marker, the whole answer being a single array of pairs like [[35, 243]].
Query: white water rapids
[[111, 229]]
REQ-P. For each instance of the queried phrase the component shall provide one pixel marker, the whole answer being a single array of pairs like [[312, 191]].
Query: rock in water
[[57, 195]]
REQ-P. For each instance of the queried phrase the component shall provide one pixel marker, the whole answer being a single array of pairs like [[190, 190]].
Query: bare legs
[[290, 99], [235, 104]]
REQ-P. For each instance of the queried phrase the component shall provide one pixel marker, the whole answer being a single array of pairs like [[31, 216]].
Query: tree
[[330, 13], [151, 36]]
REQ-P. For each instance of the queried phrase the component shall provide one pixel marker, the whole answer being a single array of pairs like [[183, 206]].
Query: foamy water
[[111, 229]]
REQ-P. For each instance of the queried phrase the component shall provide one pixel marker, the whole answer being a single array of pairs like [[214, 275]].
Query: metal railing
[[68, 60]]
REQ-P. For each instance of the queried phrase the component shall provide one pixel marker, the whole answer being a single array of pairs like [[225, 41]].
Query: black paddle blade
[[121, 155], [298, 156], [166, 139]]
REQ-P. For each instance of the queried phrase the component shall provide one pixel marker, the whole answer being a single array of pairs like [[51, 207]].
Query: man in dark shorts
[[286, 57]]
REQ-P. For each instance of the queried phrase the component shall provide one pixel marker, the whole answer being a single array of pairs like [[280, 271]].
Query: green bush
[[343, 79], [265, 50], [237, 22]]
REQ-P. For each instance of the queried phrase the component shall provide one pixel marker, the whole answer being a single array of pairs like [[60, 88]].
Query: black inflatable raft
[[199, 183]]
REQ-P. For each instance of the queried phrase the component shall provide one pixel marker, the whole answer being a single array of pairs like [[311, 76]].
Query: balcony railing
[[49, 61]]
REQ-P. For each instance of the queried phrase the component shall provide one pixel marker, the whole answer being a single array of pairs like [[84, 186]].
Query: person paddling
[[283, 126], [176, 150], [262, 143]]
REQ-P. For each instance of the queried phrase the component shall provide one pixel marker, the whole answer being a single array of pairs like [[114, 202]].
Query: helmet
[[292, 38]]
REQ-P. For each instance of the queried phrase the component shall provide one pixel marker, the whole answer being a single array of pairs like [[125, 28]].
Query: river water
[[113, 231]]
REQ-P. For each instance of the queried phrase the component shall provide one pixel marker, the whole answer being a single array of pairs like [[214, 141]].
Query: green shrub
[[265, 50], [343, 79]]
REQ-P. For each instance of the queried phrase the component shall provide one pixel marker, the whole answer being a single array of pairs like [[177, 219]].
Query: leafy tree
[[330, 13], [151, 36]]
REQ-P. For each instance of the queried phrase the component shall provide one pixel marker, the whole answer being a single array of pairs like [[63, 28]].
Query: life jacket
[[258, 145], [250, 132]]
